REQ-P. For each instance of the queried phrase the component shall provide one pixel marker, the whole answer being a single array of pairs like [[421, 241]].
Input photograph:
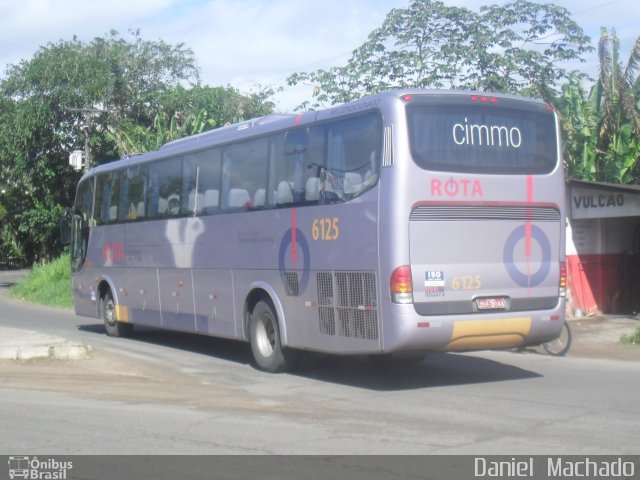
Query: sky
[[249, 43]]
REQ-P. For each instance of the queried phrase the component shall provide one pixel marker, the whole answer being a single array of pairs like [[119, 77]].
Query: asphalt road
[[172, 393]]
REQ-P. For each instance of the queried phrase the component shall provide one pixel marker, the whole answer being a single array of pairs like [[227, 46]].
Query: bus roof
[[276, 122]]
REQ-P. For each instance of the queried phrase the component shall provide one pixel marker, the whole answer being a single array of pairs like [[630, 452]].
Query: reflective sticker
[[527, 279], [296, 239], [434, 283], [122, 314]]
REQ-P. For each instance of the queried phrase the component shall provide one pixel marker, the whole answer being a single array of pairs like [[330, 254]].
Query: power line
[[596, 7], [300, 67]]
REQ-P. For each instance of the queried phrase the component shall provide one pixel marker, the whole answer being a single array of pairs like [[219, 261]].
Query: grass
[[633, 339], [47, 284]]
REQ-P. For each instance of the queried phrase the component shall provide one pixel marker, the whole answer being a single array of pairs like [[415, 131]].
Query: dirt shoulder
[[599, 337], [108, 376]]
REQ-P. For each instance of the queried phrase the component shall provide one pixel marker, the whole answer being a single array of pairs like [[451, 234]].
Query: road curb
[[59, 352], [16, 344]]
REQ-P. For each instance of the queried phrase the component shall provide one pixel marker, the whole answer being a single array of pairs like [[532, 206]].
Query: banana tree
[[601, 130], [614, 100], [578, 129], [132, 138]]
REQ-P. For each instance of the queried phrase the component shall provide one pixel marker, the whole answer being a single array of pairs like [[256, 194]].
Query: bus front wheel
[[113, 327], [264, 335]]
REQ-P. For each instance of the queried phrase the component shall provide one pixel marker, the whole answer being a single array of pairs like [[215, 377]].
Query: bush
[[47, 284]]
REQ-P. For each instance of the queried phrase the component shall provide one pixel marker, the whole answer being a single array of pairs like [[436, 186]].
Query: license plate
[[495, 303]]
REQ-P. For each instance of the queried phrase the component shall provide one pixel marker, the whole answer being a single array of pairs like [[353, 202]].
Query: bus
[[401, 223]]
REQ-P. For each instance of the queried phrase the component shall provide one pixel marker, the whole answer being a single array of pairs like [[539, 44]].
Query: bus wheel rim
[[109, 313], [265, 336]]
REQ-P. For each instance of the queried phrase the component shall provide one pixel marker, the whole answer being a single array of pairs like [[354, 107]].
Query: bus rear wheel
[[264, 336], [113, 327], [560, 345]]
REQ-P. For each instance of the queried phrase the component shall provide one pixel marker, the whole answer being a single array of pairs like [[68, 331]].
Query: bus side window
[[136, 197], [209, 163], [244, 173], [353, 153], [191, 202], [313, 164], [294, 170], [111, 197], [169, 185], [153, 195], [99, 208], [84, 199], [82, 223]]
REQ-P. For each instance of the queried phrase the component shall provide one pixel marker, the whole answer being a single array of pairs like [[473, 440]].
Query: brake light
[[483, 99], [407, 98], [401, 285], [563, 279]]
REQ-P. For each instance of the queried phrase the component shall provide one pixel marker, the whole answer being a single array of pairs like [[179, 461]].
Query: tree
[[614, 99], [578, 124], [70, 92], [181, 112], [510, 48], [602, 129], [49, 103]]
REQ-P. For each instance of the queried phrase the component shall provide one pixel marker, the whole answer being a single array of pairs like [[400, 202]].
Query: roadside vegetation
[[109, 98], [631, 339], [47, 284]]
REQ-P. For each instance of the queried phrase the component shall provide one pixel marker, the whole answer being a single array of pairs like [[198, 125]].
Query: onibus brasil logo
[[36, 469]]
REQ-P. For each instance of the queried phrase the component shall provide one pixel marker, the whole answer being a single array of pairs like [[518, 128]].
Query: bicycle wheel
[[560, 345]]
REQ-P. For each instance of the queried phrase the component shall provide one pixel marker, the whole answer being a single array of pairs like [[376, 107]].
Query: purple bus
[[405, 222]]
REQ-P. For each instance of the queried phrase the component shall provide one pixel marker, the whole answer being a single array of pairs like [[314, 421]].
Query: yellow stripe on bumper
[[482, 334], [122, 314]]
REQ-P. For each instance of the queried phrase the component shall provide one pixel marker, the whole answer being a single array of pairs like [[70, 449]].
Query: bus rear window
[[482, 139]]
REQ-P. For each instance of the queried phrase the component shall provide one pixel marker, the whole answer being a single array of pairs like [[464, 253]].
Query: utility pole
[[87, 112], [87, 149]]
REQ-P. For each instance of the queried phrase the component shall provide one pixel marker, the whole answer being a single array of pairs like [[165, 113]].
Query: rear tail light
[[401, 285], [563, 279], [483, 99]]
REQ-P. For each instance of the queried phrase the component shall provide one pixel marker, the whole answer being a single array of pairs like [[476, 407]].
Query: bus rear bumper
[[405, 330]]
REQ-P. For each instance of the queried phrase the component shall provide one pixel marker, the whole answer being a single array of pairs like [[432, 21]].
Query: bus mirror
[[296, 142], [65, 228]]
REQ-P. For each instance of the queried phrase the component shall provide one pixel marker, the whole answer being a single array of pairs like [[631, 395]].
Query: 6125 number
[[325, 229]]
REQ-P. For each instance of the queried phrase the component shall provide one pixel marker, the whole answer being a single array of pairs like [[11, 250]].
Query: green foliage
[[632, 339], [578, 129], [49, 103], [132, 138], [47, 284], [510, 48], [122, 95], [602, 129], [182, 112]]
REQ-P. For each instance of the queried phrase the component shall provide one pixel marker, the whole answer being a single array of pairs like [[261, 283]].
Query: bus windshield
[[481, 138]]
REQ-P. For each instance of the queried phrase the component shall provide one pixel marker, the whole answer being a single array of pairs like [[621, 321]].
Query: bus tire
[[264, 336], [560, 346], [108, 314]]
